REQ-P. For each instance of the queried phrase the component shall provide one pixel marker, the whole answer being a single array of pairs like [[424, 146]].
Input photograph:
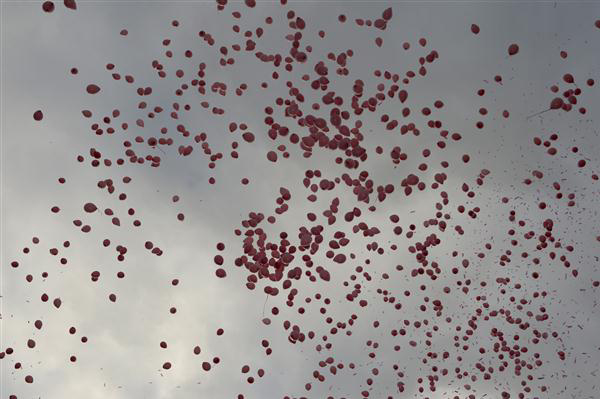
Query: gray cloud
[[122, 358]]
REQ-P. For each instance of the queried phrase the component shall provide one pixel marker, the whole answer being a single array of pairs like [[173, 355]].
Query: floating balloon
[[48, 6], [92, 88]]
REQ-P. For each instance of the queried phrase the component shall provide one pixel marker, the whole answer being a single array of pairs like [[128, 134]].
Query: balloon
[[48, 6], [92, 88], [70, 4]]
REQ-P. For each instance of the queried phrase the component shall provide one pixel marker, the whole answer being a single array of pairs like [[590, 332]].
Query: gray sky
[[123, 359]]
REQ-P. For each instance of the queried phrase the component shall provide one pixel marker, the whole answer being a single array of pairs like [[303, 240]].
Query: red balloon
[[92, 88], [48, 6], [272, 156], [70, 4], [89, 207]]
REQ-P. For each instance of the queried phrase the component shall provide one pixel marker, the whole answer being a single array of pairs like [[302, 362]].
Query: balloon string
[[537, 113], [265, 304]]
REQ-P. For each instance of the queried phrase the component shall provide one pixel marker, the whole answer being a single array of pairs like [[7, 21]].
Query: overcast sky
[[123, 358]]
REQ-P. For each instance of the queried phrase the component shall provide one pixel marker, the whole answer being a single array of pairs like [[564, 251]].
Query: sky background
[[122, 358]]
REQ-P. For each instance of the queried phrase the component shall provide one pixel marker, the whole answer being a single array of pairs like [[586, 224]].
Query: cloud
[[122, 358]]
